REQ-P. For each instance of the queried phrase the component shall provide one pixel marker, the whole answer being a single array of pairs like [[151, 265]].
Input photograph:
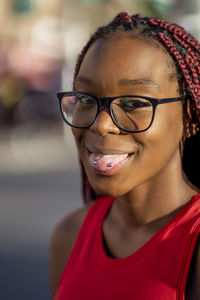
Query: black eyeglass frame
[[105, 102]]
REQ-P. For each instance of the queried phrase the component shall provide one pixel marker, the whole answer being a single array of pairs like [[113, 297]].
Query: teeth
[[112, 155]]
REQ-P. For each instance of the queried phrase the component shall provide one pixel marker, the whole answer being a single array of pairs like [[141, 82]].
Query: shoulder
[[62, 242]]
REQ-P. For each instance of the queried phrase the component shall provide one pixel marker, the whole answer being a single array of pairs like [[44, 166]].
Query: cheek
[[78, 134], [163, 138], [170, 121]]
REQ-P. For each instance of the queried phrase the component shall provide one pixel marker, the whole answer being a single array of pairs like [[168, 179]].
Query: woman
[[136, 100]]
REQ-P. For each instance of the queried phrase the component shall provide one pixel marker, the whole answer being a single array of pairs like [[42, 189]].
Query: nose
[[104, 124]]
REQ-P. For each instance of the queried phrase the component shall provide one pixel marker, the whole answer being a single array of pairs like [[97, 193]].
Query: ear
[[181, 146], [189, 128]]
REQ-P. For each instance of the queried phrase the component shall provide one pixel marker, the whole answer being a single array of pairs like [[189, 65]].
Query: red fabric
[[158, 270]]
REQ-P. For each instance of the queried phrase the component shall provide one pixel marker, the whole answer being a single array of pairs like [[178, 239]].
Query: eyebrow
[[123, 82], [140, 81]]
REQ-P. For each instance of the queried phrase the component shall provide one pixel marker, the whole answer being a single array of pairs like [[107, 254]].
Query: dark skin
[[150, 189]]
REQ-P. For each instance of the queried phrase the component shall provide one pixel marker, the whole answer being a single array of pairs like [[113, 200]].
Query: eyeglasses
[[129, 113]]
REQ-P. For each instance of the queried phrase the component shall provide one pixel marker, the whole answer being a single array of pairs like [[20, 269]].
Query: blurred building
[[31, 50]]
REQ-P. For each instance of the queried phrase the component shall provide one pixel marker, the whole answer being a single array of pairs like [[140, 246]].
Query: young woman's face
[[115, 161]]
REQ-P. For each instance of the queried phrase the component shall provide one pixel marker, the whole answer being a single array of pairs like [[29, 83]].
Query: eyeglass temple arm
[[168, 100]]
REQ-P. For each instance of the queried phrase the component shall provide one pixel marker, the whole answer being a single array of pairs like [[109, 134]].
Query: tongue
[[105, 162]]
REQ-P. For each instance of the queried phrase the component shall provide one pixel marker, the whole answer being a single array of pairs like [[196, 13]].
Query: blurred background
[[39, 172]]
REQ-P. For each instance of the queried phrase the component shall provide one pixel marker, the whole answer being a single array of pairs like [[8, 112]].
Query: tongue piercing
[[109, 165], [95, 162]]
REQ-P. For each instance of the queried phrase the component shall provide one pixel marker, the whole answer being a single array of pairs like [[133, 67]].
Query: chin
[[113, 185], [107, 189]]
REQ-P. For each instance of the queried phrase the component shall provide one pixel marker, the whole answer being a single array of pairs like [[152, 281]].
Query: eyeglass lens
[[130, 113]]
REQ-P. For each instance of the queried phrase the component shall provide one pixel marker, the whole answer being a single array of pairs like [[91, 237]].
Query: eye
[[133, 103], [86, 99]]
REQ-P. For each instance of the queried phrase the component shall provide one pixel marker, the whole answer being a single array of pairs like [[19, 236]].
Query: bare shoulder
[[62, 242]]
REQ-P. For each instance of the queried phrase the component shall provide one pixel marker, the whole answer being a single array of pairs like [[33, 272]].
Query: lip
[[106, 151]]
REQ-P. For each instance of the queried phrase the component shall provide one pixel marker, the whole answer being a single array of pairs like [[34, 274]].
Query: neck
[[162, 195]]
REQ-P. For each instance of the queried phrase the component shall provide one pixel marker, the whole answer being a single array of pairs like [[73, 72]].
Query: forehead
[[121, 56]]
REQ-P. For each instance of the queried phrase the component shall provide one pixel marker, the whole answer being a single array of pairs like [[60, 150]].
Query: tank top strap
[[191, 222], [97, 212], [93, 218]]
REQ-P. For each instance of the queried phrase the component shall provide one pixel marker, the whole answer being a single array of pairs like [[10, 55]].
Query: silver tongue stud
[[109, 165]]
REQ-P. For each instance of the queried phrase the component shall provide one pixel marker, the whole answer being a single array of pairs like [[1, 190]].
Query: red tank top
[[158, 270]]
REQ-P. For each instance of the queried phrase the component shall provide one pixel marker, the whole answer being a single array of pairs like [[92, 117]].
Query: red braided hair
[[188, 64]]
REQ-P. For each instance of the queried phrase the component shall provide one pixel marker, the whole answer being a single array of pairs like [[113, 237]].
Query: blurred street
[[33, 197]]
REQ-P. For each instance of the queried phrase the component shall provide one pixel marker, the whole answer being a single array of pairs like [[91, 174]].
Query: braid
[[176, 38], [180, 45], [192, 85], [122, 16]]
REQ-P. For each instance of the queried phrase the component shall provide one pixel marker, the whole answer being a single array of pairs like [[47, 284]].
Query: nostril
[[104, 124]]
